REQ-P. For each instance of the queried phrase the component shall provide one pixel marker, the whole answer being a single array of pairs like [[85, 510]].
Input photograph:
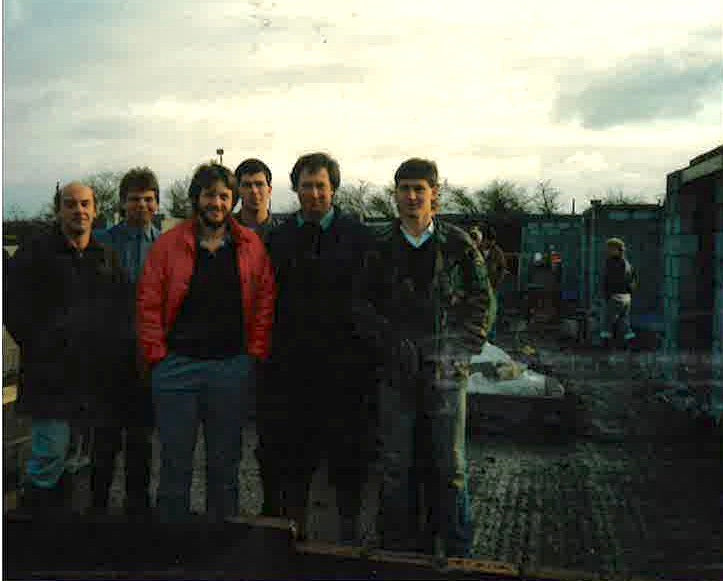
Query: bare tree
[[546, 200], [382, 204], [499, 197], [354, 199], [14, 213], [461, 200], [617, 197], [176, 199], [105, 185]]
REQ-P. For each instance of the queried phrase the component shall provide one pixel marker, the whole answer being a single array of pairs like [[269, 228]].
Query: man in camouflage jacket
[[429, 298]]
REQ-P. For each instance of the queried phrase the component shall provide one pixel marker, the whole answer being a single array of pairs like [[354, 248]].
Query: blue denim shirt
[[132, 245]]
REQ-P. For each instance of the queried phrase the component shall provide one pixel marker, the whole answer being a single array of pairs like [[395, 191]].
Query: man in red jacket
[[205, 305]]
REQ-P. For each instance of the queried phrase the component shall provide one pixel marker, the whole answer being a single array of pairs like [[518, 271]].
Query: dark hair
[[252, 166], [208, 174], [139, 179], [312, 163], [417, 169], [59, 194]]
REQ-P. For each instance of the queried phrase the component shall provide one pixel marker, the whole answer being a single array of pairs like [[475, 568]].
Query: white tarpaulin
[[494, 372]]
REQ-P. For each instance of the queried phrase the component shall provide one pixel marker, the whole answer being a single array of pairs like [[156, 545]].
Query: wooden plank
[[273, 522]]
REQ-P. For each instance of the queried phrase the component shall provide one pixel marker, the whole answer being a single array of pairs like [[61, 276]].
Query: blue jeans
[[495, 312], [49, 452], [615, 316], [423, 441], [187, 391]]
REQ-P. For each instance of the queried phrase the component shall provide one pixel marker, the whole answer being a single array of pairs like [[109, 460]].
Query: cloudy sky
[[590, 95]]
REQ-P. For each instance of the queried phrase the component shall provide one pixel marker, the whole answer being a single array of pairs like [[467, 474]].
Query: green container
[[560, 234], [641, 226]]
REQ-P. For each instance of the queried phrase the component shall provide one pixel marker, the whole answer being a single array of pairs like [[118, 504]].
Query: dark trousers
[[423, 447], [290, 452], [138, 457], [302, 420]]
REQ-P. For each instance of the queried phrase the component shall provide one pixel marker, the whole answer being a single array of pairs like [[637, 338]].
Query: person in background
[[254, 182], [132, 239], [619, 280], [205, 307], [486, 240], [318, 398], [69, 308], [429, 299]]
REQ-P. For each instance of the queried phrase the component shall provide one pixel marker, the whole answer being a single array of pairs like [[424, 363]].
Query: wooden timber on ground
[[241, 548]]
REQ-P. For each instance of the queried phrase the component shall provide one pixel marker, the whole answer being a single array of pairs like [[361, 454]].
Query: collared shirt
[[417, 241], [227, 239], [132, 245], [324, 223], [255, 226]]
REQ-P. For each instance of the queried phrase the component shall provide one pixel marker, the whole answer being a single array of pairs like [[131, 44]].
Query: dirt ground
[[631, 488]]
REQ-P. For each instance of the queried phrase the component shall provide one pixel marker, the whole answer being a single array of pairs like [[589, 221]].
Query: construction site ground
[[629, 486]]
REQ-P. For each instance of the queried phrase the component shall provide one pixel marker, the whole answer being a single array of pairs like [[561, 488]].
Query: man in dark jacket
[[69, 308], [619, 279], [429, 288], [131, 239], [317, 397]]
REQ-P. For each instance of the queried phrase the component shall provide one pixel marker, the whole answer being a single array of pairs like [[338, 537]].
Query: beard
[[213, 223]]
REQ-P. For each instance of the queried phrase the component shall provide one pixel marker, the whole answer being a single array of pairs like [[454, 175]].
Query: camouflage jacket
[[460, 293], [496, 266]]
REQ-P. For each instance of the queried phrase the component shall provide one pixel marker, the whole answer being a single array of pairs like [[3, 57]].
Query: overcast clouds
[[610, 95]]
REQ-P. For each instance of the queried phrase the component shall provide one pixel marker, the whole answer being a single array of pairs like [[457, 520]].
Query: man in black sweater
[[318, 394]]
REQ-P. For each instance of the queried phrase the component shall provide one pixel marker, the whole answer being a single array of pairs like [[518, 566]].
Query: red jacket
[[164, 284]]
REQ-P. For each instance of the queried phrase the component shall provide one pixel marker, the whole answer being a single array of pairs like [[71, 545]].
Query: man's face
[[255, 191], [140, 207], [215, 205], [77, 210], [614, 251], [315, 193], [414, 198]]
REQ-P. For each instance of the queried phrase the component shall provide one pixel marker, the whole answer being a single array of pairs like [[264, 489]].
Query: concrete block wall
[[687, 201], [671, 272], [641, 227], [717, 350]]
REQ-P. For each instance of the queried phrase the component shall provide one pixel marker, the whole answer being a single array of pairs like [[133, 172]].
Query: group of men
[[345, 345]]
